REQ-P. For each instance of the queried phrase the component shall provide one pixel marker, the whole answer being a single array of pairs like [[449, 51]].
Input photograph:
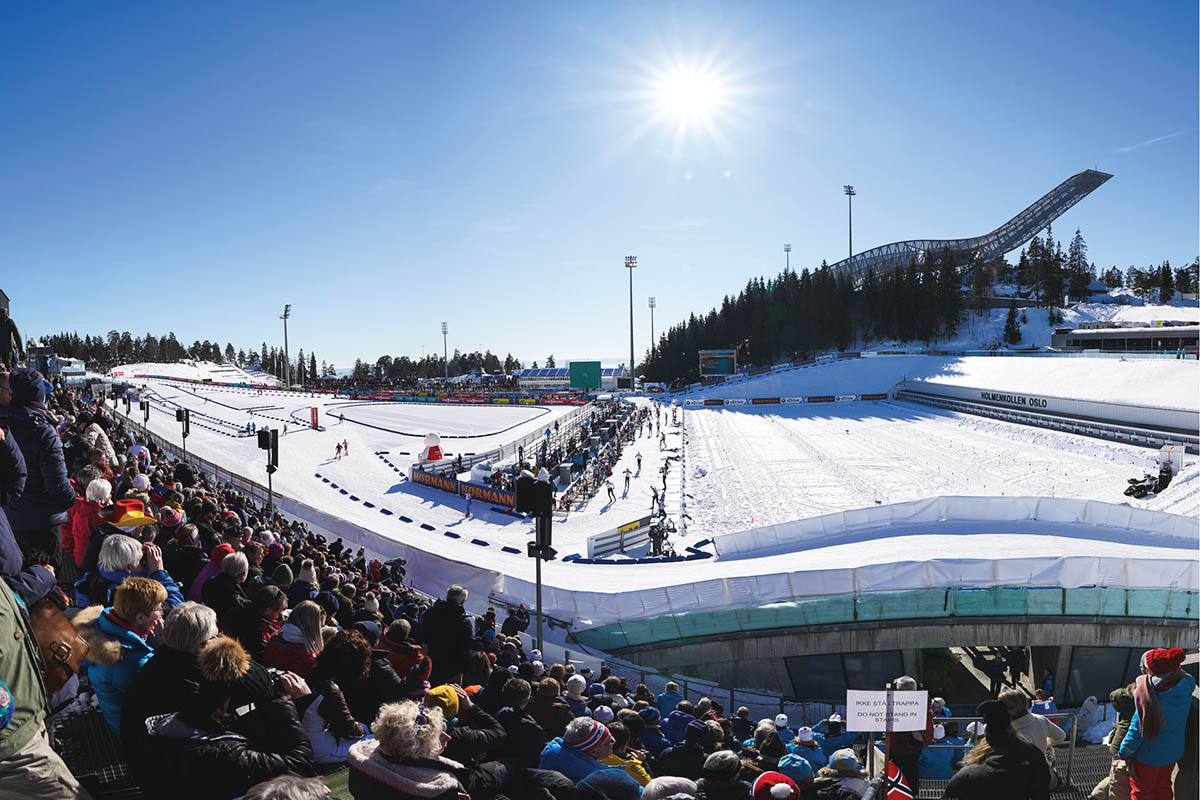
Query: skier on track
[[338, 452], [627, 475], [639, 461], [345, 447], [653, 497], [662, 441], [612, 493], [285, 429], [467, 512]]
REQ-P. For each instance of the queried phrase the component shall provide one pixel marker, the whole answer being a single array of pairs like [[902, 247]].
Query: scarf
[[1145, 699]]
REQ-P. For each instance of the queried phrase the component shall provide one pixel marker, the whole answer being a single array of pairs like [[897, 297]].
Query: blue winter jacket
[[114, 657], [653, 740], [674, 726], [667, 701], [1167, 747], [116, 577], [575, 764], [831, 744], [48, 493], [936, 762], [813, 755]]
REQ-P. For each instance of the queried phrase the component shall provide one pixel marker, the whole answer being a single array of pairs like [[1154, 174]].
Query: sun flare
[[689, 94]]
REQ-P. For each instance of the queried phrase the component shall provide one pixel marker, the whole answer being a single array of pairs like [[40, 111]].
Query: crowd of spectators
[[234, 653]]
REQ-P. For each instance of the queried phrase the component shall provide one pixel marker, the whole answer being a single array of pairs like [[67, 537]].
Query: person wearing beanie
[[674, 724], [938, 762], [774, 786], [652, 738], [1155, 740], [37, 514], [575, 695], [612, 784], [281, 576], [577, 753], [770, 750], [603, 714], [797, 768], [211, 570], [669, 787], [807, 745], [834, 735], [719, 777], [686, 760], [1001, 767]]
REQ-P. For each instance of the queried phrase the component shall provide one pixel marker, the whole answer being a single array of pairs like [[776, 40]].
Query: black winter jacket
[[200, 764], [448, 638], [524, 738], [1016, 772], [32, 583], [48, 493]]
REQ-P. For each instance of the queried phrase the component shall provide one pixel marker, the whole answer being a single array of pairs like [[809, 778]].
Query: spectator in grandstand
[[685, 760], [524, 738], [937, 762], [118, 641], [835, 735], [808, 745], [719, 778], [575, 695], [552, 713], [623, 757], [1154, 741], [255, 624], [379, 683], [578, 752], [652, 738], [845, 776], [669, 699], [209, 571], [743, 728], [449, 636], [195, 752], [299, 641], [223, 593], [1116, 783], [672, 788], [770, 750], [38, 512], [799, 770], [29, 766], [289, 787], [325, 714], [304, 585], [11, 350], [1035, 728], [173, 673], [1041, 703], [781, 727], [906, 745], [86, 515], [402, 652], [182, 557], [123, 557], [30, 581], [1003, 766]]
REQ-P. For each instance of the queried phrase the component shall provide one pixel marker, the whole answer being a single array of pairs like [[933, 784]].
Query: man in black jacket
[[449, 636], [1014, 769], [685, 760], [38, 513], [12, 352], [525, 738], [32, 582]]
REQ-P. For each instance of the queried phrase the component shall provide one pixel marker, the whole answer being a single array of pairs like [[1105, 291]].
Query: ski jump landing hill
[[922, 572]]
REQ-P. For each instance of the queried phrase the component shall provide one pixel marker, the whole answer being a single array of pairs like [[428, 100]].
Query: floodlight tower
[[653, 303], [849, 192], [445, 352], [287, 361], [631, 264], [787, 254]]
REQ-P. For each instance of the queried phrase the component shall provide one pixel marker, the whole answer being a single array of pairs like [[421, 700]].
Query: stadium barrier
[[457, 487], [629, 536]]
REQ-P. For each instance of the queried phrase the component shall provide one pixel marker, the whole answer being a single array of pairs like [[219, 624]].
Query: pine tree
[[1012, 331], [1166, 283], [550, 361], [312, 367]]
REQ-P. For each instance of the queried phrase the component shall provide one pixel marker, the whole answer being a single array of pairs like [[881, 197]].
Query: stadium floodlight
[[849, 192], [287, 361], [787, 255], [631, 264], [653, 303], [445, 351]]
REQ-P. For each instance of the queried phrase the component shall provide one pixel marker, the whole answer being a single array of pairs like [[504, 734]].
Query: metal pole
[[787, 254], [287, 360], [270, 494], [539, 598], [653, 303], [631, 265], [446, 358], [849, 191]]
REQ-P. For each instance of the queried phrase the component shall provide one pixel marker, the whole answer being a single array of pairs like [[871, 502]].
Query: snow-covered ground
[[1183, 495], [760, 466], [1155, 382], [191, 370]]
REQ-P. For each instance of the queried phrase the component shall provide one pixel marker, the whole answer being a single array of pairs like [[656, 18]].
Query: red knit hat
[[774, 786], [1161, 662]]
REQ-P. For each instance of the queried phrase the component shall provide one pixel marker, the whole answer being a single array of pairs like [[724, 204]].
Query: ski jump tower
[[1008, 237]]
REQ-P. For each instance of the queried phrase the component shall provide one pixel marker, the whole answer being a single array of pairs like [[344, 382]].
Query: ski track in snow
[[795, 462]]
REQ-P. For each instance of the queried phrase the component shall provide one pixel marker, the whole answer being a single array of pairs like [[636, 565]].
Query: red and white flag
[[897, 788]]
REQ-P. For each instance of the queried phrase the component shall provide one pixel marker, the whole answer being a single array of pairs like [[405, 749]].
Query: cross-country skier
[[627, 475], [467, 513], [662, 441], [639, 460], [345, 447], [653, 497], [285, 429], [338, 451], [612, 493]]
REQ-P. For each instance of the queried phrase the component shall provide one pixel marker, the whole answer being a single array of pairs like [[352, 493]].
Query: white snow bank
[[1151, 382], [190, 370], [1183, 495]]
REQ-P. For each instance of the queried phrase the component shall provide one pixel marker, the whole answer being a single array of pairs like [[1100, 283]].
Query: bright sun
[[689, 94]]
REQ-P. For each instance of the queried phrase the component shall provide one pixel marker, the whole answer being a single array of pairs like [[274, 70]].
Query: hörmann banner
[[455, 486]]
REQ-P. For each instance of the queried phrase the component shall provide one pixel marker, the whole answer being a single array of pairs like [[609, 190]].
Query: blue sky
[[386, 166]]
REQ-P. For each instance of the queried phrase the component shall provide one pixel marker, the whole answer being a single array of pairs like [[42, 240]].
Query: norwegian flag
[[897, 789]]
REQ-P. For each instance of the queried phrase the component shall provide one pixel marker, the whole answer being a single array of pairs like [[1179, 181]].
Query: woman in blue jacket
[[1154, 742], [118, 639]]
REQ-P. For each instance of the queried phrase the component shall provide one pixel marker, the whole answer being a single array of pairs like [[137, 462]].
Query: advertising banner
[[736, 401], [313, 411], [455, 486], [820, 398], [763, 401], [788, 401]]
